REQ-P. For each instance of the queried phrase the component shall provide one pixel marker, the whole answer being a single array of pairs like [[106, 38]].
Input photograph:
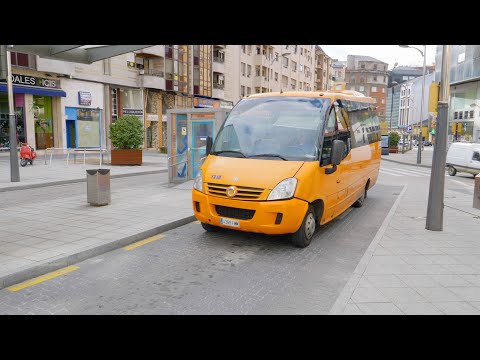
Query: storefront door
[[43, 119]]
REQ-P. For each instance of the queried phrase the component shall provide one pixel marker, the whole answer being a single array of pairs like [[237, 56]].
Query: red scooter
[[27, 154]]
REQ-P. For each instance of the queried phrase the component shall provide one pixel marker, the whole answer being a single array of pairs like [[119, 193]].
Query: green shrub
[[394, 139], [127, 133]]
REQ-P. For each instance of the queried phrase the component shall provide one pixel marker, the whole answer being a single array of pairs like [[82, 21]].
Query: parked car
[[463, 157], [427, 143]]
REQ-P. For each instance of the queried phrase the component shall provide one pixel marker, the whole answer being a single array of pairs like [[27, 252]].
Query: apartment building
[[323, 70], [368, 76], [64, 104], [251, 69], [338, 71]]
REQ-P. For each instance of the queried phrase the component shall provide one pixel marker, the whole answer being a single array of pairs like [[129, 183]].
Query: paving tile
[[475, 304], [426, 250], [29, 241], [470, 293], [24, 251], [432, 269], [42, 255], [457, 308], [361, 295], [472, 279], [439, 294], [443, 259], [48, 244], [461, 269], [420, 280], [375, 268], [380, 250], [418, 308], [416, 259], [389, 280], [364, 283], [402, 295], [450, 280], [379, 309]]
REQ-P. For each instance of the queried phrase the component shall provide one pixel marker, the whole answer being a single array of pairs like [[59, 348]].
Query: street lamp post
[[434, 220], [424, 54], [391, 106]]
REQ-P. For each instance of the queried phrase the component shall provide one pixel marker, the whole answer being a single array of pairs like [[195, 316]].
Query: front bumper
[[263, 221]]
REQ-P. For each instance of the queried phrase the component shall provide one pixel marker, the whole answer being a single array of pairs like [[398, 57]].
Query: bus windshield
[[274, 128]]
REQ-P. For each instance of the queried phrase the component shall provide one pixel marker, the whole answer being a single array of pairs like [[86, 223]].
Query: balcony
[[218, 65], [151, 78], [157, 50], [261, 60], [217, 91], [260, 81]]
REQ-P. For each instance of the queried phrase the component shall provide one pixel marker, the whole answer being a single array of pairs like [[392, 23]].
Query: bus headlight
[[198, 183], [284, 190]]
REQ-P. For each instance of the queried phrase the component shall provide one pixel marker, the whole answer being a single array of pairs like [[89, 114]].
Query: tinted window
[[476, 156], [364, 123]]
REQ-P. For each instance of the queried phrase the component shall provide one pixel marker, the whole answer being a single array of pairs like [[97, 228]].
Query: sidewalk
[[39, 174], [46, 229], [410, 270], [410, 157]]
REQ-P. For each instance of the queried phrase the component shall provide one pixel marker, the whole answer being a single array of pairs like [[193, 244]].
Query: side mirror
[[209, 145], [338, 148]]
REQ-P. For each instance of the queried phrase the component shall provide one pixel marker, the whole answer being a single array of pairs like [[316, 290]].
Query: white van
[[463, 157]]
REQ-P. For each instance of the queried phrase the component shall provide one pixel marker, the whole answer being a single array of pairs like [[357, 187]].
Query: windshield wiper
[[224, 151], [269, 155]]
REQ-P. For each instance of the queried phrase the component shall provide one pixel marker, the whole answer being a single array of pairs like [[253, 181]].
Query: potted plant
[[394, 139], [126, 134]]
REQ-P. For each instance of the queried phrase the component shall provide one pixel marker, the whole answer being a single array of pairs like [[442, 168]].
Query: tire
[[361, 200], [303, 237], [452, 171], [210, 228], [23, 162]]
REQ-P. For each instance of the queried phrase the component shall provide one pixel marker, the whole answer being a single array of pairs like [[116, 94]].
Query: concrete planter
[[126, 157], [393, 149]]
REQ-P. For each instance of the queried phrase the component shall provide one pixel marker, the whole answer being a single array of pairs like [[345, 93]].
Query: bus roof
[[333, 94]]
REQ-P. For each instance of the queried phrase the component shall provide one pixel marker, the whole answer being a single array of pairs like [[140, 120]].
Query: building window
[[300, 68], [455, 115], [466, 114], [471, 114], [249, 90], [374, 100], [22, 60], [362, 66], [383, 90], [460, 115], [249, 49], [383, 101], [374, 78], [384, 79], [276, 56], [285, 62], [257, 90], [243, 48], [374, 89], [276, 76], [242, 90], [249, 70], [259, 50], [242, 68], [114, 104], [300, 85], [361, 88], [257, 70], [294, 66]]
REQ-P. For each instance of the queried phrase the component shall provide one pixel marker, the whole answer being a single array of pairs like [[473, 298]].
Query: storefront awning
[[33, 90]]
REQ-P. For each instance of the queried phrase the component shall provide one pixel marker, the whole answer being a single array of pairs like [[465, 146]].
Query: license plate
[[229, 222]]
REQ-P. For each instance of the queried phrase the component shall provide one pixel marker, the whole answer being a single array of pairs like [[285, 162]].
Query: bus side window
[[329, 134], [476, 156], [343, 131]]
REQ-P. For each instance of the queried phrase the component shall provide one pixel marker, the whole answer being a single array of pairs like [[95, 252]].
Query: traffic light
[[433, 98]]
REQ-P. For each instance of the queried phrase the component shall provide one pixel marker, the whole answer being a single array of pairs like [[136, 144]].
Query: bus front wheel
[[210, 228], [303, 237]]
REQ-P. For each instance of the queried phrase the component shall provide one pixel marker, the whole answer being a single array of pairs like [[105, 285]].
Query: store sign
[[152, 117], [138, 112], [205, 103], [35, 81], [84, 98]]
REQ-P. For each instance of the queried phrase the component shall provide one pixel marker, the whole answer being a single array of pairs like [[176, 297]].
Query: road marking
[[143, 242], [461, 183], [42, 278], [388, 173]]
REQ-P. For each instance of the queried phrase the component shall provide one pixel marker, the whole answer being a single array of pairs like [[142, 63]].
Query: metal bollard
[[476, 193], [98, 187]]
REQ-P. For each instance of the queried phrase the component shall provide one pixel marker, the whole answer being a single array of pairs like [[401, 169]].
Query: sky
[[390, 54]]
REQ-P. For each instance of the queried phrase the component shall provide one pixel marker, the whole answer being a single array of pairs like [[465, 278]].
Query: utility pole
[[437, 177], [6, 63]]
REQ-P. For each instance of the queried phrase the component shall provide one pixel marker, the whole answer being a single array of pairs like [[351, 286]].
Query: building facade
[[69, 105], [323, 70], [368, 76], [464, 106], [338, 72], [253, 69]]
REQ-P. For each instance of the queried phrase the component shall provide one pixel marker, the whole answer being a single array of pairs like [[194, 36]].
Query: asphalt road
[[189, 271]]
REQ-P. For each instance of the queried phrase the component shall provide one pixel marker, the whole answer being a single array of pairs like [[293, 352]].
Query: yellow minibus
[[286, 163]]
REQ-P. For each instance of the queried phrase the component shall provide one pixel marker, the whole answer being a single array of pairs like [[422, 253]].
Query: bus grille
[[234, 213], [243, 193]]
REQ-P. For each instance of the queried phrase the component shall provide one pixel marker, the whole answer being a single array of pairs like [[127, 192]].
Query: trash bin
[[98, 187]]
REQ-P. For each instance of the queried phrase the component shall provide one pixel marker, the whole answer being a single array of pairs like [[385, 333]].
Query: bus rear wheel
[[361, 200], [303, 236]]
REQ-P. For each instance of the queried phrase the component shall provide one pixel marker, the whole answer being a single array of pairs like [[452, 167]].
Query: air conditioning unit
[[142, 71]]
